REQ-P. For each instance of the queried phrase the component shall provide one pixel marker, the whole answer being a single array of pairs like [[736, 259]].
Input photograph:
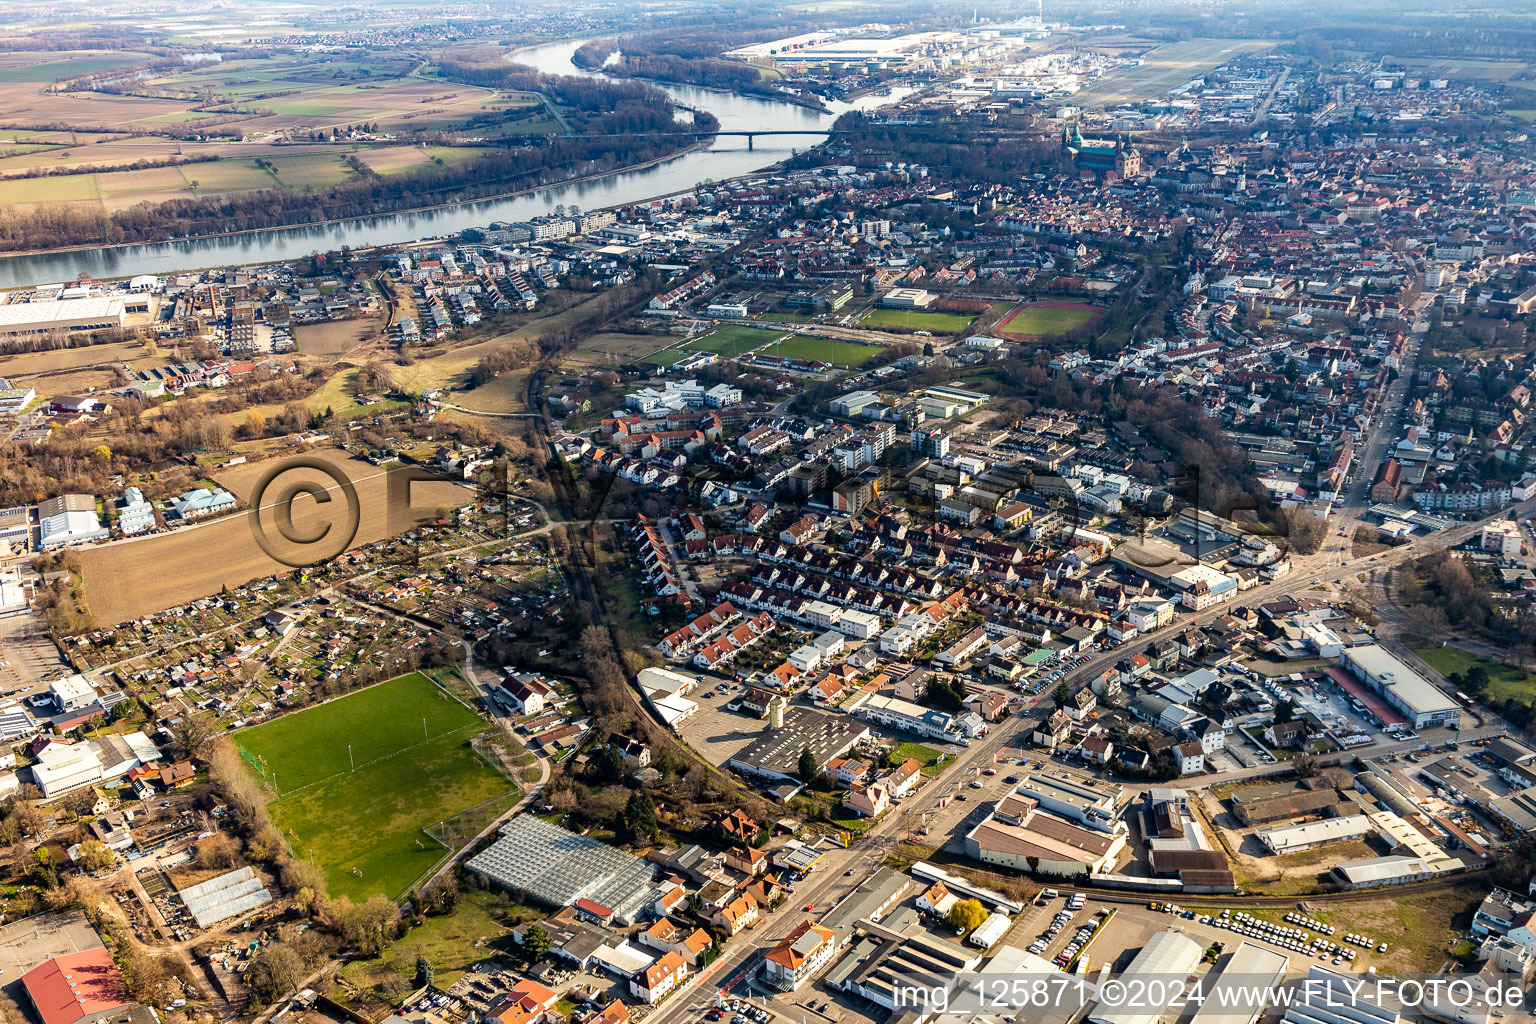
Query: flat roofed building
[[87, 314], [72, 692], [1420, 701], [1092, 802], [776, 753], [907, 298]]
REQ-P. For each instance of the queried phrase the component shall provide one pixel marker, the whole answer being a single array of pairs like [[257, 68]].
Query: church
[[1104, 159]]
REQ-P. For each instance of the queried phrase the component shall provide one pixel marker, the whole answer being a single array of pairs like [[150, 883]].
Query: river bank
[[724, 160], [330, 221], [769, 94]]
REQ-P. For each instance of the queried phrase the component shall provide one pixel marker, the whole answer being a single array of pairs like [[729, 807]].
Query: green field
[[732, 340], [1033, 320], [364, 827], [937, 323], [48, 71], [666, 357], [1504, 681], [930, 758], [67, 188], [826, 350], [227, 176], [311, 170]]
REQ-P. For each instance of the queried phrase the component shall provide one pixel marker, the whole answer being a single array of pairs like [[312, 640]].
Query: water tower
[[776, 713]]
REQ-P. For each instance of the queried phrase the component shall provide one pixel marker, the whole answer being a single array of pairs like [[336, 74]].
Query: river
[[726, 158]]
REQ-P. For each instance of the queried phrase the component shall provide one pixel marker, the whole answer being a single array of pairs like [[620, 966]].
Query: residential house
[[867, 801], [653, 984], [736, 914], [799, 956]]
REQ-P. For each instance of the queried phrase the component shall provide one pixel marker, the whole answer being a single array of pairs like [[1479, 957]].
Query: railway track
[[1204, 902]]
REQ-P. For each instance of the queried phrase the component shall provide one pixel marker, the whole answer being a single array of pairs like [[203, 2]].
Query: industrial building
[[1312, 834], [665, 690], [897, 970], [1330, 998], [905, 716], [82, 987], [1419, 700], [1019, 834], [69, 519], [1094, 803], [775, 755], [1373, 872], [85, 314], [1168, 954], [1234, 991]]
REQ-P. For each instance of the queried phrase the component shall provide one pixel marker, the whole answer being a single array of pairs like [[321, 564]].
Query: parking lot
[[1121, 934], [28, 658], [716, 733]]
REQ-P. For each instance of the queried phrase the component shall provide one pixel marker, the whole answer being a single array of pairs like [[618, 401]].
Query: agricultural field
[[26, 67], [508, 393], [330, 339], [390, 160], [71, 188], [280, 109], [357, 779], [917, 320], [826, 350], [1165, 68], [732, 340], [23, 363], [1460, 70], [1038, 319], [195, 561]]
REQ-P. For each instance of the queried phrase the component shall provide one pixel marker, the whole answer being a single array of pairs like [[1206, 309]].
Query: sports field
[[1037, 319], [826, 350], [913, 320], [363, 826], [732, 340], [666, 357]]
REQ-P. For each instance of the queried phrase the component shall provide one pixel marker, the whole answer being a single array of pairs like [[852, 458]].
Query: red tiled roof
[[72, 987]]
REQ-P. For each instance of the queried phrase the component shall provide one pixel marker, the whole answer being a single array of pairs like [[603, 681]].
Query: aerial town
[[820, 514]]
